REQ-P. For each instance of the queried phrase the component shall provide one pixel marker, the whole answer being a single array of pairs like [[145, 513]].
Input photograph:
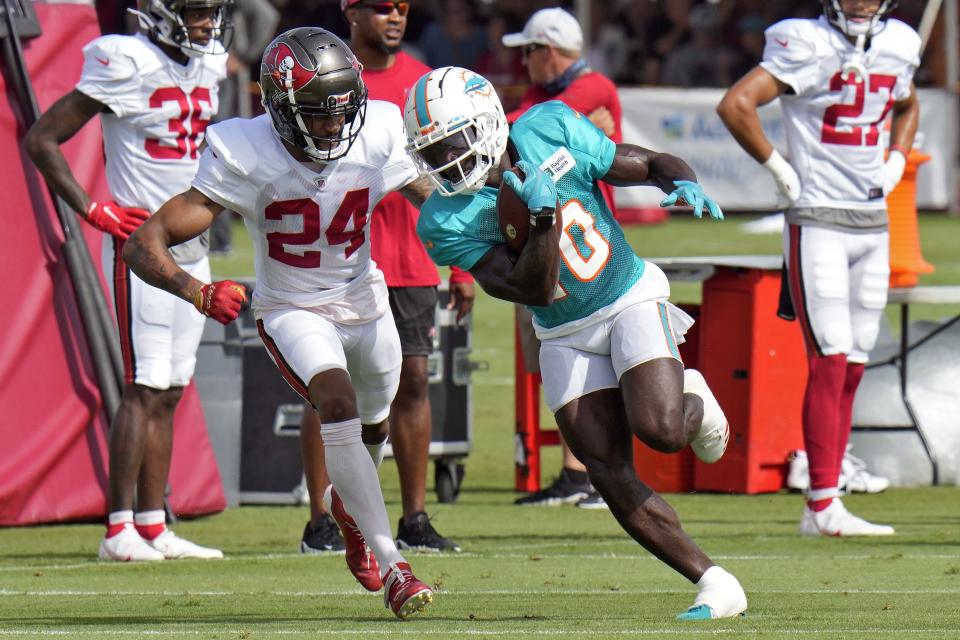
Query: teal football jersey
[[598, 265]]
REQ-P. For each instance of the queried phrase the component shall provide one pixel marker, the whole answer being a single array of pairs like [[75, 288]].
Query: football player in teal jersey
[[609, 360]]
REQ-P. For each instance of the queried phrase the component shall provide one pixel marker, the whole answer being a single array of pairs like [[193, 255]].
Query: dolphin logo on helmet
[[456, 129]]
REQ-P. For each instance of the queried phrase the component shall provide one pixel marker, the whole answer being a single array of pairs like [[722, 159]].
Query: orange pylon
[[906, 261]]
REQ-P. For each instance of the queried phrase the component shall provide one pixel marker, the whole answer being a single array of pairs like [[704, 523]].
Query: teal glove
[[691, 193], [537, 190]]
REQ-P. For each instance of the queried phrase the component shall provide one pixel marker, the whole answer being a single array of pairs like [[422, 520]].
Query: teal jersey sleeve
[[459, 230]]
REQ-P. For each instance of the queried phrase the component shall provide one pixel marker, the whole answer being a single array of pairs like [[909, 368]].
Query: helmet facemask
[[458, 158], [293, 122], [849, 24], [456, 129], [164, 21]]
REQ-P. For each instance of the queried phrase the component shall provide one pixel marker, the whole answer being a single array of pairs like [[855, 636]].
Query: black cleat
[[322, 536], [417, 533], [562, 491]]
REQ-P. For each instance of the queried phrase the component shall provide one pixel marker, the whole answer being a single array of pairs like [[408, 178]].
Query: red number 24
[[854, 136], [353, 207]]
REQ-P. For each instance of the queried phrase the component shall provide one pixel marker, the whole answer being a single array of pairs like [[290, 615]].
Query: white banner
[[684, 122]]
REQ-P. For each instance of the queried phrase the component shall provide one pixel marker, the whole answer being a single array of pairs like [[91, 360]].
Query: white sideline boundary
[[447, 633], [534, 550], [60, 593]]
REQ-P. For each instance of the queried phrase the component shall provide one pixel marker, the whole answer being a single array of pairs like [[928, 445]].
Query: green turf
[[525, 572]]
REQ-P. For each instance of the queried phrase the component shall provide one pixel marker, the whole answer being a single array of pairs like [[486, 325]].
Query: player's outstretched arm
[[56, 125], [633, 165], [147, 252]]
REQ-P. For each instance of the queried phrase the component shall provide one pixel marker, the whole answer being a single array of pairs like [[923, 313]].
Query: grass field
[[525, 572]]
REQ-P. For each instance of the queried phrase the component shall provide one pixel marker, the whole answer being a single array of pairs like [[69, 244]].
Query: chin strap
[[853, 65]]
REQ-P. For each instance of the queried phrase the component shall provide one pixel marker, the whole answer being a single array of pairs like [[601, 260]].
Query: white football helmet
[[856, 24], [456, 129]]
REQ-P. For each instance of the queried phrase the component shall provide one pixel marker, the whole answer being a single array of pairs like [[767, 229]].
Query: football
[[513, 215]]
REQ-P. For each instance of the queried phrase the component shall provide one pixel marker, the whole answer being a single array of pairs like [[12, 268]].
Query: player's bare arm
[[418, 191], [147, 252], [633, 165], [738, 110], [906, 119], [530, 278], [57, 125]]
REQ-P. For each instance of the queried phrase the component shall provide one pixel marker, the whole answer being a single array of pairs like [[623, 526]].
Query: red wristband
[[896, 147]]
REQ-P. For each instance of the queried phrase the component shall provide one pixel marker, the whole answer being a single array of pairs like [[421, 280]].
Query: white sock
[[119, 517], [376, 452], [354, 475], [147, 518]]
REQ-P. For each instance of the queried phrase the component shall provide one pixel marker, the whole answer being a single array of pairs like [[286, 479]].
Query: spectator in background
[[376, 33], [455, 37], [703, 61], [750, 40], [669, 29], [502, 65], [552, 43], [625, 44], [255, 24]]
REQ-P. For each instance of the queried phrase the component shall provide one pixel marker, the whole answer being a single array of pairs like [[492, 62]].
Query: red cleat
[[404, 594], [360, 559]]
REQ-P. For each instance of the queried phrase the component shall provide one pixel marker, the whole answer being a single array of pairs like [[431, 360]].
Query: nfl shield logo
[[320, 181]]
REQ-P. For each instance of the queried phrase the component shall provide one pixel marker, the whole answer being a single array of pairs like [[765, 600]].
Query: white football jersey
[[833, 125], [309, 222], [159, 110]]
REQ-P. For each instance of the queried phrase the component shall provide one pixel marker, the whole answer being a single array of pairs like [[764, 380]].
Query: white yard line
[[524, 552], [260, 631], [60, 593]]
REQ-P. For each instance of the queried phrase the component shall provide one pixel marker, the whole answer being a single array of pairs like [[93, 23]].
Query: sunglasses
[[528, 49], [386, 8]]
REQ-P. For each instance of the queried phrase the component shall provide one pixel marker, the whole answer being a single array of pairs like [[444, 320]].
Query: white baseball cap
[[552, 27]]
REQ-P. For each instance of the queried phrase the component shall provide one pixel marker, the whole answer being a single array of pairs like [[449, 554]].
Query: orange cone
[[906, 261]]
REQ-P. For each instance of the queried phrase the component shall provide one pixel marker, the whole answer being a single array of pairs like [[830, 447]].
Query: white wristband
[[777, 165]]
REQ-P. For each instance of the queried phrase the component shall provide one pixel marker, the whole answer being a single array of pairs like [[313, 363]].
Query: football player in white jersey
[[837, 77], [306, 176], [155, 92]]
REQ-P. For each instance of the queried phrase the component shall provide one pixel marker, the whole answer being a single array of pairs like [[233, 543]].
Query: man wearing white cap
[[552, 44]]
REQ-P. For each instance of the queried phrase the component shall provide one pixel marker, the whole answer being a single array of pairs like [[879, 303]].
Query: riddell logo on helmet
[[341, 100], [283, 67]]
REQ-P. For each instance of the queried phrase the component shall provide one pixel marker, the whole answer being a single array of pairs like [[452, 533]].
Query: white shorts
[[838, 285], [594, 357], [303, 344], [159, 332]]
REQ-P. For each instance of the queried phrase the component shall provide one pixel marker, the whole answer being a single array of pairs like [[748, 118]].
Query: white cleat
[[837, 522], [720, 596], [854, 477], [174, 547], [711, 441], [128, 546]]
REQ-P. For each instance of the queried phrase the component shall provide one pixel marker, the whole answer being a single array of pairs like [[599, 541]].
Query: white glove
[[893, 170], [784, 175]]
